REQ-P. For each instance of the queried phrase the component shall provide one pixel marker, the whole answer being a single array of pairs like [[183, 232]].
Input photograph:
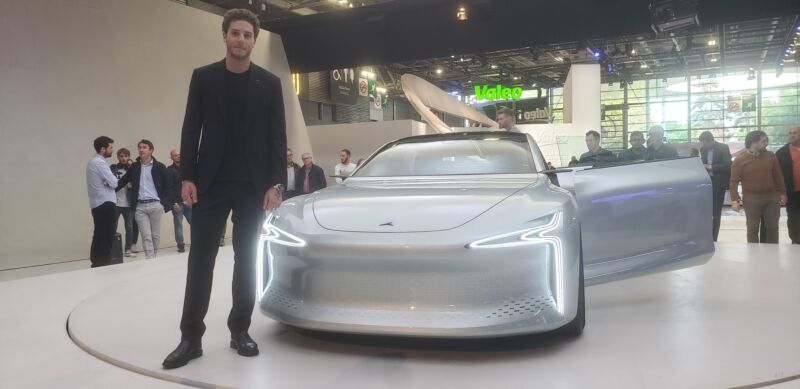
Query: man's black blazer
[[316, 179], [205, 125], [162, 180], [784, 155], [721, 163]]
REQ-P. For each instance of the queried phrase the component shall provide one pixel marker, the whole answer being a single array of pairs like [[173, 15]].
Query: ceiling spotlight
[[533, 85], [633, 51], [342, 2], [493, 66], [712, 43], [516, 77], [462, 13], [559, 59], [713, 60], [438, 70], [643, 65], [350, 5]]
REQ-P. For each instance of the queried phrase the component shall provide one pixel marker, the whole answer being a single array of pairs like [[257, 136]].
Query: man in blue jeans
[[179, 208]]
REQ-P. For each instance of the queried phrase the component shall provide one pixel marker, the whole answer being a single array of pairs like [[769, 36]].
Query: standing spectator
[[763, 188], [233, 161], [179, 208], [151, 192], [656, 148], [506, 119], [310, 177], [100, 184], [596, 153], [789, 160], [716, 159], [637, 152], [124, 205], [291, 171], [345, 167]]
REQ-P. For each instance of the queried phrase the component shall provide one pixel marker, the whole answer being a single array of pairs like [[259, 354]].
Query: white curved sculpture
[[425, 96]]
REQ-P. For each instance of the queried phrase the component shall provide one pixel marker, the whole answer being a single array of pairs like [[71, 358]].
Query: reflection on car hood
[[412, 204]]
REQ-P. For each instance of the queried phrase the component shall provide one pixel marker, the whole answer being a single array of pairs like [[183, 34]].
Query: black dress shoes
[[244, 344], [185, 352]]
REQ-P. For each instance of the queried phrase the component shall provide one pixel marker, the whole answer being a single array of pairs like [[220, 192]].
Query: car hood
[[411, 204]]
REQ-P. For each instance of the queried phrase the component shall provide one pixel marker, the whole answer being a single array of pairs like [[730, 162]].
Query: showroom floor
[[729, 323]]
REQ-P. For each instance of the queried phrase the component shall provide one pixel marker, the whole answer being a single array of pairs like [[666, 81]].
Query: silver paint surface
[[391, 255]]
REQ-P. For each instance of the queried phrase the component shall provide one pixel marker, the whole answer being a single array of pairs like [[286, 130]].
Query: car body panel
[[643, 218]]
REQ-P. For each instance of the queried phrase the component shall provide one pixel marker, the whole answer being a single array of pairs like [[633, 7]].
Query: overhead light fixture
[[516, 77], [493, 66], [342, 2], [712, 43], [462, 13], [713, 60], [671, 15], [643, 65], [350, 5], [533, 85], [559, 59], [438, 70]]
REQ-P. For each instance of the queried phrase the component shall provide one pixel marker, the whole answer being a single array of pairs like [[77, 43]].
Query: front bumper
[[426, 284]]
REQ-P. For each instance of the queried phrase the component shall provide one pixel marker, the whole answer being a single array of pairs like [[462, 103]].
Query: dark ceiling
[[522, 41]]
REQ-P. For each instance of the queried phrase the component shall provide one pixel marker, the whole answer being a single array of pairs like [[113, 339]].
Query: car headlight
[[273, 234], [528, 236]]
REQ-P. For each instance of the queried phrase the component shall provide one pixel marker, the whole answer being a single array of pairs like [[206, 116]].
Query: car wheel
[[575, 327]]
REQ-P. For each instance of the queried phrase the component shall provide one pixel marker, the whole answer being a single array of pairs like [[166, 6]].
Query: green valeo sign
[[499, 92]]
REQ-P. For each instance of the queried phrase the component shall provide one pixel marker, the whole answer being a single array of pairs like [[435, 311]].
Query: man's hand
[[189, 192], [272, 199], [708, 167], [176, 208], [782, 199], [735, 206]]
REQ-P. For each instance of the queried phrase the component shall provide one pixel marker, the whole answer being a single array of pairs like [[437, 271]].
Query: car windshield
[[451, 156]]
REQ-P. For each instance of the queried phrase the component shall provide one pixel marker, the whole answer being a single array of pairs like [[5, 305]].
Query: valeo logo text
[[499, 92]]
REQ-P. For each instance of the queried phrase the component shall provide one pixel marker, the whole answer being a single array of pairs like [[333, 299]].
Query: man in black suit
[[717, 161], [233, 146], [310, 177]]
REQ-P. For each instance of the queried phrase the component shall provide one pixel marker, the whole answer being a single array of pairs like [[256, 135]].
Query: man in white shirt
[[345, 168], [100, 185], [505, 119]]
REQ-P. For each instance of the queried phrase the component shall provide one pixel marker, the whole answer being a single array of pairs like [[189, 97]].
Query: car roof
[[470, 135]]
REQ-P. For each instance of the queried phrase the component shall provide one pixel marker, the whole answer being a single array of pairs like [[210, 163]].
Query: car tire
[[575, 327]]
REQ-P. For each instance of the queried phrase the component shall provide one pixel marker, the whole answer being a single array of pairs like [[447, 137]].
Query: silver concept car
[[467, 235]]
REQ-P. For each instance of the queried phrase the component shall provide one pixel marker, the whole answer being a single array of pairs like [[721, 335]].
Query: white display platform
[[730, 323]]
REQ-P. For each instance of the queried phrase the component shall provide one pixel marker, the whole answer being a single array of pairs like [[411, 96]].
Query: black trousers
[[105, 218], [793, 217], [718, 197], [209, 218]]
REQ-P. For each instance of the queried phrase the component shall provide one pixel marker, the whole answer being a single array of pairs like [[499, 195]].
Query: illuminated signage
[[499, 92]]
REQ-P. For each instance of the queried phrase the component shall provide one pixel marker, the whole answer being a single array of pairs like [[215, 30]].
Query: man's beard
[[237, 56]]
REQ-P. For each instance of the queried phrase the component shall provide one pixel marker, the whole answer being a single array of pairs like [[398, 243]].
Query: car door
[[643, 217]]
